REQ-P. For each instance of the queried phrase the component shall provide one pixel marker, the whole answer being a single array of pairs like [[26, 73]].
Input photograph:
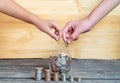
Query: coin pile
[[55, 76], [60, 63]]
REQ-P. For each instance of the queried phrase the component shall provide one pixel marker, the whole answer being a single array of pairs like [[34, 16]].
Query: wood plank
[[89, 69], [30, 81], [101, 81]]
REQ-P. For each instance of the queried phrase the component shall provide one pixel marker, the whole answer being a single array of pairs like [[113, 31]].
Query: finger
[[64, 37], [67, 27], [73, 37], [53, 35], [67, 36], [57, 30], [56, 26], [58, 34], [66, 32]]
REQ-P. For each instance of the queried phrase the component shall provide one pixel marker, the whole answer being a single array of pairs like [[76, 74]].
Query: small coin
[[63, 60], [66, 44], [58, 62]]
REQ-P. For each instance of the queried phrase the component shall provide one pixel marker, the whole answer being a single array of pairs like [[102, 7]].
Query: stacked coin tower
[[56, 76], [38, 73], [47, 75]]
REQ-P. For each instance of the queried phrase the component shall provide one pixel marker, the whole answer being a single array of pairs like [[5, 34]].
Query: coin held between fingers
[[66, 44]]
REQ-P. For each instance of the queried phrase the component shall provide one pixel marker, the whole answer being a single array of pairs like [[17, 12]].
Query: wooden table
[[91, 71]]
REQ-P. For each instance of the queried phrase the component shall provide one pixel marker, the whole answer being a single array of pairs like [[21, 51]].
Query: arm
[[11, 8], [102, 10], [74, 28]]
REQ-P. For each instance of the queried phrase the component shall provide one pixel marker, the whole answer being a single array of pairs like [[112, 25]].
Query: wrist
[[93, 19], [89, 23], [36, 21]]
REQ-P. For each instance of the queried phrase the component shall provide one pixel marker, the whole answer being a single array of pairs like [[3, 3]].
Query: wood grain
[[22, 40]]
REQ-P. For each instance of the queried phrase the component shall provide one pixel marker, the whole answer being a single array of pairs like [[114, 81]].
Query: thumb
[[58, 31], [53, 35]]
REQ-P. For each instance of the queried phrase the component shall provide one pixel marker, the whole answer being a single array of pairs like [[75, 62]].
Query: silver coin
[[63, 60], [58, 62]]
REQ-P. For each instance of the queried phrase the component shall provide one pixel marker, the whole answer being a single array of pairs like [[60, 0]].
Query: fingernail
[[57, 38]]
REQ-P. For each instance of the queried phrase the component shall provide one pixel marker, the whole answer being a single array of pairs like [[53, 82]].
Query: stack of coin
[[38, 73], [47, 75], [71, 78], [63, 77], [55, 76], [77, 78]]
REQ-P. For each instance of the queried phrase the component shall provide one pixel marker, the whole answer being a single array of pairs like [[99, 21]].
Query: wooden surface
[[91, 71], [22, 40]]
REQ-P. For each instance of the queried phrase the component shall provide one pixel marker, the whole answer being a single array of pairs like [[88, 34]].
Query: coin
[[66, 44]]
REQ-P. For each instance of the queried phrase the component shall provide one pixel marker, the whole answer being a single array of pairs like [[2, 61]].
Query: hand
[[74, 28], [50, 27]]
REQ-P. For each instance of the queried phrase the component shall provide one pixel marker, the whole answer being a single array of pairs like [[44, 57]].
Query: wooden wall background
[[21, 40]]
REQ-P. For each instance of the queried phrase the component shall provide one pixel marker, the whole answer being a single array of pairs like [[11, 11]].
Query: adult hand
[[50, 27], [74, 28]]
